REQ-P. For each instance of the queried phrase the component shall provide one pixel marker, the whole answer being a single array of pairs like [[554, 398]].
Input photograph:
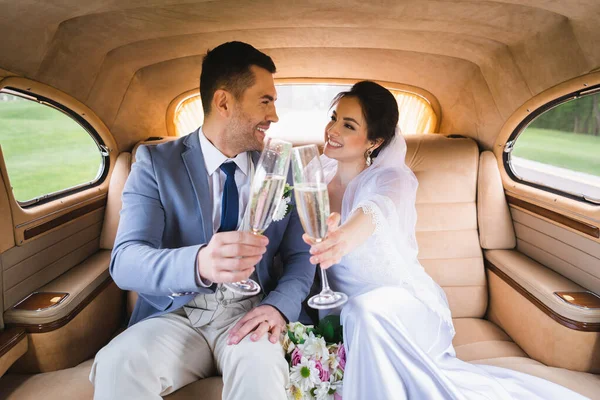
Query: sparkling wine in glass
[[266, 192], [312, 203]]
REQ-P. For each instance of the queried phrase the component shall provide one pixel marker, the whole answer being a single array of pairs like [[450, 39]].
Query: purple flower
[[336, 396], [342, 356], [296, 357], [323, 372]]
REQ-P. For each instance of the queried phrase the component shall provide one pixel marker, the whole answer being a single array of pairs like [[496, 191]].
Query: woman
[[397, 324]]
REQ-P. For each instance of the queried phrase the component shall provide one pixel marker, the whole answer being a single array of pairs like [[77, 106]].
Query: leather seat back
[[113, 204], [132, 296], [447, 234]]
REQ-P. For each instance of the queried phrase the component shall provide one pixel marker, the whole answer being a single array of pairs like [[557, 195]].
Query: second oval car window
[[560, 148], [45, 150]]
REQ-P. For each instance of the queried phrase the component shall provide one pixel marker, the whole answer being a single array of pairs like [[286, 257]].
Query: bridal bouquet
[[317, 360]]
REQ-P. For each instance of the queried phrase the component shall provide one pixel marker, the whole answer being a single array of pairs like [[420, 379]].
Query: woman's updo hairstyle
[[379, 108]]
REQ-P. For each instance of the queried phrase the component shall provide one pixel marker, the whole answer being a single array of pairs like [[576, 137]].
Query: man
[[177, 241]]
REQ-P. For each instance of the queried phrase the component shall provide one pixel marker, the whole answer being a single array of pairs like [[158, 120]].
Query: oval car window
[[45, 150], [560, 148]]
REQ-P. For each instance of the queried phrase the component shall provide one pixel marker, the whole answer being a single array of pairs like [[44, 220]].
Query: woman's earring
[[368, 157]]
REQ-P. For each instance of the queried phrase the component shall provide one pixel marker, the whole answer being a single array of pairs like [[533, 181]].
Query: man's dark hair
[[228, 67]]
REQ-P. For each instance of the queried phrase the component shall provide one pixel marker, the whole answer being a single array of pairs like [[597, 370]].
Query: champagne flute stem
[[324, 281]]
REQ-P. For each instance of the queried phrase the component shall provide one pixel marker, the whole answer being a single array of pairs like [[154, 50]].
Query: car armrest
[[524, 303], [13, 344], [69, 319], [78, 283], [543, 284]]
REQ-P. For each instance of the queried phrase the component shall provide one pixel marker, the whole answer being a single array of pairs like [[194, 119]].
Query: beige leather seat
[[461, 209]]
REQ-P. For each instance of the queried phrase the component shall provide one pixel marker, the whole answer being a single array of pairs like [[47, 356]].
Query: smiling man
[[177, 243]]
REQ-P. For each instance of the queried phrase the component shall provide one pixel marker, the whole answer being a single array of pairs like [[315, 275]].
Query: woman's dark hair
[[227, 66], [379, 108]]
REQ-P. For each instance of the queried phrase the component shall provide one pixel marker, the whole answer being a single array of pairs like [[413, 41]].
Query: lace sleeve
[[370, 208]]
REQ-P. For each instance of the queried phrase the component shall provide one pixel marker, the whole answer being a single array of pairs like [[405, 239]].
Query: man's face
[[253, 113]]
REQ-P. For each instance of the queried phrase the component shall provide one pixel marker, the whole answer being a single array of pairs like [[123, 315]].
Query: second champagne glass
[[312, 202], [266, 192]]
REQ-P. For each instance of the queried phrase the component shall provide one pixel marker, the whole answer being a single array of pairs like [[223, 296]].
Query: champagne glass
[[312, 202], [266, 192]]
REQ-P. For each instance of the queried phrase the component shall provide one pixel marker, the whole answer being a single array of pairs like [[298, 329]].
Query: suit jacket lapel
[[196, 169]]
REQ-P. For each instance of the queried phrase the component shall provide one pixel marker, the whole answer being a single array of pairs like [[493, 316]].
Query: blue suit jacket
[[165, 220]]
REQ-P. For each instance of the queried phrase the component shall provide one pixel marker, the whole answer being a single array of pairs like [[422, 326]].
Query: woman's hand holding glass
[[330, 250], [312, 202]]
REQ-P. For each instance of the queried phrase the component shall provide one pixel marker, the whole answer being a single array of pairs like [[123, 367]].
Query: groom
[[177, 242]]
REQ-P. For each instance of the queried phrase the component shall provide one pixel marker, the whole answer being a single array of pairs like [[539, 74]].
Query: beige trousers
[[157, 356]]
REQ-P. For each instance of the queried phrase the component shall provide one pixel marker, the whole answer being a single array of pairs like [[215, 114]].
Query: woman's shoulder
[[386, 174]]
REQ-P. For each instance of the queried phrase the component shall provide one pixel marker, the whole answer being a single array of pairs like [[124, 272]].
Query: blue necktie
[[229, 201]]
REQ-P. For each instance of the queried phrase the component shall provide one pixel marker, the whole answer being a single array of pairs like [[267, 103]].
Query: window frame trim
[[174, 106], [85, 125], [521, 126]]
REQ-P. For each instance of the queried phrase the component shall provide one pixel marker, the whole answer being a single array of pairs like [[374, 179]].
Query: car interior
[[508, 165]]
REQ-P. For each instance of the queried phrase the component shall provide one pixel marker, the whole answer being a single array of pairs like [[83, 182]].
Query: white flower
[[336, 376], [322, 392], [299, 330], [315, 347], [286, 343], [305, 375], [332, 362], [295, 393], [337, 387], [281, 209]]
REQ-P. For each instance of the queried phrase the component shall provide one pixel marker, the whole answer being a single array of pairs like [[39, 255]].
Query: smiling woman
[[309, 103]]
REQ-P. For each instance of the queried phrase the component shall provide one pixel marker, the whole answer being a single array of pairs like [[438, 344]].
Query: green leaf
[[339, 334], [292, 337], [330, 329]]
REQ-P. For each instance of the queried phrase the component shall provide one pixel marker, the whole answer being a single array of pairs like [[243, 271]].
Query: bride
[[397, 324]]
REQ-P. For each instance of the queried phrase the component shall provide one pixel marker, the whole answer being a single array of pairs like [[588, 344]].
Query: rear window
[[303, 111]]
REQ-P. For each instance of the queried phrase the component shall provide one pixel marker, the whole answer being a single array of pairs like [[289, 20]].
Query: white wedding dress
[[397, 324]]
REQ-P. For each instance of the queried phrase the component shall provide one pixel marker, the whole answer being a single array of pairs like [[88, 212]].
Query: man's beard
[[242, 134]]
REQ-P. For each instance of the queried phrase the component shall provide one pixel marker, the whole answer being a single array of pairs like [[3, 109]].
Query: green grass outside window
[[45, 150]]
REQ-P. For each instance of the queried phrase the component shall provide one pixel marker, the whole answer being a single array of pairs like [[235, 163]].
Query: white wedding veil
[[390, 186]]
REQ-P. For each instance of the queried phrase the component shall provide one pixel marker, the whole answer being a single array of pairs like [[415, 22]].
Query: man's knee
[[118, 357], [260, 356]]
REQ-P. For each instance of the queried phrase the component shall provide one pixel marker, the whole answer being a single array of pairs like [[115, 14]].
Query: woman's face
[[346, 133]]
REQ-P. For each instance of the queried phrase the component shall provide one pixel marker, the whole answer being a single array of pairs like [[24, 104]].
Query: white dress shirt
[[213, 158]]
